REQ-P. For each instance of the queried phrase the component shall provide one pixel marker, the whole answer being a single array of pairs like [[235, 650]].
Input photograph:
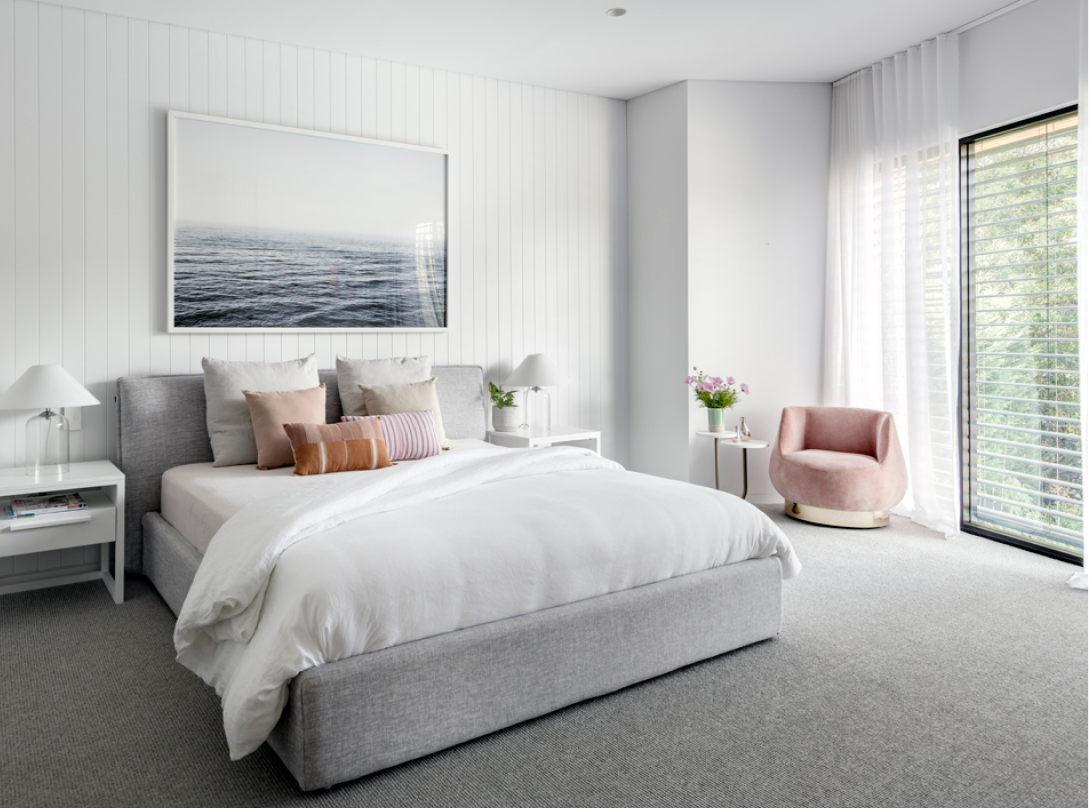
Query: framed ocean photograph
[[278, 229]]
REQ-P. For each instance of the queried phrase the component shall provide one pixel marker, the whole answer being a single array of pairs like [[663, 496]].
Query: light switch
[[75, 418]]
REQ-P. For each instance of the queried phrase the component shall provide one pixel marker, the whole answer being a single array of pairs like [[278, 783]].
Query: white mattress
[[198, 498]]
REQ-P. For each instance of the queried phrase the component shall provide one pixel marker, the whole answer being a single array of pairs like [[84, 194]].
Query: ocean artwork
[[232, 278], [275, 229]]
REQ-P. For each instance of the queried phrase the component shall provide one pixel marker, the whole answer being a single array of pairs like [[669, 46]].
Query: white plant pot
[[507, 419]]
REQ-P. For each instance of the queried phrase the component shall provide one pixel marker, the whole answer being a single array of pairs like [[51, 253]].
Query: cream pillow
[[397, 370], [391, 399], [229, 425], [270, 411]]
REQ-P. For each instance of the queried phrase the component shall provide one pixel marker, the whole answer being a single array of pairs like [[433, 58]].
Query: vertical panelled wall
[[537, 218]]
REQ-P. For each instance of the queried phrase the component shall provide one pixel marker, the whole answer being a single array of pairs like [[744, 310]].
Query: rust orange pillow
[[328, 448]]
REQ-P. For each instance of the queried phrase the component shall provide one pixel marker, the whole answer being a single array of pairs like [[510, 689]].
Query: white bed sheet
[[198, 498]]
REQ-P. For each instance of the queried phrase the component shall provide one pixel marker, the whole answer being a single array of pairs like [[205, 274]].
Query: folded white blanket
[[395, 556]]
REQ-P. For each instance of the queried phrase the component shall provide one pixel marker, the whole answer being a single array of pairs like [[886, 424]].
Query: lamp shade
[[536, 370], [46, 387]]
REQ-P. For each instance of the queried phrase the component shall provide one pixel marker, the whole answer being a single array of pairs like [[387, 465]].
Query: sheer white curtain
[[1080, 580], [892, 324]]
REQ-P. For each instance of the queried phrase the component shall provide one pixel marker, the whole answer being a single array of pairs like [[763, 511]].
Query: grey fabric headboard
[[162, 425]]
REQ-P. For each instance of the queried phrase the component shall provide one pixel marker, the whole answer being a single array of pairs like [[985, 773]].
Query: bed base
[[350, 718]]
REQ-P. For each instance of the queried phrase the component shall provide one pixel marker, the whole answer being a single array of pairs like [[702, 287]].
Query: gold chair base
[[825, 516]]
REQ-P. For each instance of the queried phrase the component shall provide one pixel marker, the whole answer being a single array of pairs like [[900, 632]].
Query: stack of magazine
[[44, 506]]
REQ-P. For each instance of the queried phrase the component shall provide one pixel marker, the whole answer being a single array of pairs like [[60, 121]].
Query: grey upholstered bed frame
[[349, 718]]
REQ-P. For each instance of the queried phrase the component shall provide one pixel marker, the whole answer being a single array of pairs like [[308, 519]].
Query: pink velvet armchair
[[838, 465]]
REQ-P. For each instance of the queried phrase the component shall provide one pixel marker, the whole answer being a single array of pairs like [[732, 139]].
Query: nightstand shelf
[[533, 438], [102, 486]]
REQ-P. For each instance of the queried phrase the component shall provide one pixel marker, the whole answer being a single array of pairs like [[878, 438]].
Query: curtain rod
[[968, 26]]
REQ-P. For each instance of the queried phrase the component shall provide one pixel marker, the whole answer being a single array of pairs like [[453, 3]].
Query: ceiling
[[573, 45]]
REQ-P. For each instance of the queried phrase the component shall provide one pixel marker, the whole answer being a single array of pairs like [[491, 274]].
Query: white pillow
[[398, 370], [229, 425]]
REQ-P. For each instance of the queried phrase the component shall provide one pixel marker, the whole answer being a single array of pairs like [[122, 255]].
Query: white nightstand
[[102, 522], [533, 437], [726, 439]]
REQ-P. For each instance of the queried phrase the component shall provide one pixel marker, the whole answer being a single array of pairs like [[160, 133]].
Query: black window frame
[[968, 526]]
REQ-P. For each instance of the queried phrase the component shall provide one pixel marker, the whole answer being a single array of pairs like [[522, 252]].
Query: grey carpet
[[911, 671]]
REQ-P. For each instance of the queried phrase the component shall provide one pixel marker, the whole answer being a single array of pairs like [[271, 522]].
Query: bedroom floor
[[911, 671]]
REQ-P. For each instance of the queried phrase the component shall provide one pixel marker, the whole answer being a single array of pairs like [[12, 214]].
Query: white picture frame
[[259, 234]]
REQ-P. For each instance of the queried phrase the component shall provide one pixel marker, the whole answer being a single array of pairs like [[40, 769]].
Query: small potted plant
[[505, 415], [716, 394]]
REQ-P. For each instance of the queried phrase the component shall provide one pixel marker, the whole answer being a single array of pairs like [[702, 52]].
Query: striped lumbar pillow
[[326, 448], [408, 435]]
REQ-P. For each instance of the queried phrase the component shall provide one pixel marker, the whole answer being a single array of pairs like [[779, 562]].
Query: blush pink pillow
[[270, 411]]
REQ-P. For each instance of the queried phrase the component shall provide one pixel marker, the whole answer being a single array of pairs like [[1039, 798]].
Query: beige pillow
[[391, 399], [396, 370], [270, 411]]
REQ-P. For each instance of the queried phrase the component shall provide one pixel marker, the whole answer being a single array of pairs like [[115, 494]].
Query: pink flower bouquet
[[713, 392]]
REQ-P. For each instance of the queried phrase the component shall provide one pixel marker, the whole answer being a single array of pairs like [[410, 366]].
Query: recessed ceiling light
[[616, 12]]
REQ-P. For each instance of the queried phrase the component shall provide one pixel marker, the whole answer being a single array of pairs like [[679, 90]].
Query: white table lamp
[[48, 388], [536, 372]]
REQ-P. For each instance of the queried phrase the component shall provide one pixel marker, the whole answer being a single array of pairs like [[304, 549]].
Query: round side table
[[727, 439]]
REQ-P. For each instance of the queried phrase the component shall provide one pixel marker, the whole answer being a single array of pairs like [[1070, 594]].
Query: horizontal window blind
[[1022, 403]]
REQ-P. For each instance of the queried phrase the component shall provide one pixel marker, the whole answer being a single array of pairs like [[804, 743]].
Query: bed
[[348, 718]]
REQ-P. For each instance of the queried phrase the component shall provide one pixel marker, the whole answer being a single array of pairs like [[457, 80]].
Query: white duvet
[[368, 560]]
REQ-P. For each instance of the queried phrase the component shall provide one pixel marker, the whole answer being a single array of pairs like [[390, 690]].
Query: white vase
[[507, 419]]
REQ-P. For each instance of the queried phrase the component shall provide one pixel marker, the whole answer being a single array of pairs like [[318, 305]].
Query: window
[[1022, 448]]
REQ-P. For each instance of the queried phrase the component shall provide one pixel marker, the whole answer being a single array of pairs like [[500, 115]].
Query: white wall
[[658, 280], [755, 198], [757, 220], [537, 208], [1019, 64], [727, 217]]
